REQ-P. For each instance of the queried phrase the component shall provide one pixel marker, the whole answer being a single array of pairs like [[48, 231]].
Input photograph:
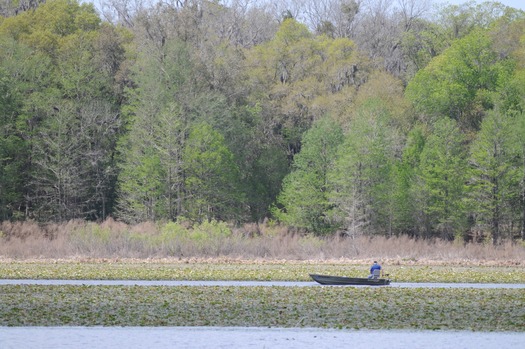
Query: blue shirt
[[374, 267]]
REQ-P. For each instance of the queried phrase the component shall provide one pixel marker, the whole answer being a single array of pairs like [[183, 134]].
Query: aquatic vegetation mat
[[324, 307], [250, 270]]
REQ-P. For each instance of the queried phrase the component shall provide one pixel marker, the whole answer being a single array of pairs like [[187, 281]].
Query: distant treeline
[[350, 116]]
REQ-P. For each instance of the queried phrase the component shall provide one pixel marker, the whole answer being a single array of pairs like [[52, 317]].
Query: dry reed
[[115, 240]]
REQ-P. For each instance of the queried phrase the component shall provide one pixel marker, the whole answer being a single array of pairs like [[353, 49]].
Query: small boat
[[343, 280]]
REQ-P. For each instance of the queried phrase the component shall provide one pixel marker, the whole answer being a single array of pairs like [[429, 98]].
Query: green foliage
[[204, 235], [66, 113], [177, 116], [150, 182], [304, 197], [458, 21], [23, 79], [422, 44], [512, 98], [208, 232], [298, 78], [10, 146], [496, 171], [173, 230], [404, 181], [141, 186], [452, 82], [211, 177], [53, 21], [516, 143], [191, 172], [263, 162], [291, 32], [361, 190], [441, 178]]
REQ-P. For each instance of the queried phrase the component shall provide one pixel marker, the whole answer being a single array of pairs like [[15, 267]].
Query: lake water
[[247, 337]]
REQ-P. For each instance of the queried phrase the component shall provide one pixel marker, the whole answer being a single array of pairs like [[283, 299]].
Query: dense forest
[[351, 116]]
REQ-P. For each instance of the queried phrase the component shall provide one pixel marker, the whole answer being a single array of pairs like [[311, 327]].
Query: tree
[[69, 109], [45, 27], [304, 197], [362, 175], [458, 21], [292, 81], [25, 84], [151, 181], [72, 153], [297, 77], [24, 80], [496, 172], [273, 71], [261, 156], [179, 85], [12, 8], [459, 82], [211, 177], [383, 86], [425, 40], [406, 206], [441, 178], [59, 190], [11, 147], [517, 149]]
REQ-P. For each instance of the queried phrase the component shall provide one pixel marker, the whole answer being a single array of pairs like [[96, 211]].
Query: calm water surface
[[247, 337]]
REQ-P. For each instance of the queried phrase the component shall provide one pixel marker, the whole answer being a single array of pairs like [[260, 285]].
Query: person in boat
[[375, 266]]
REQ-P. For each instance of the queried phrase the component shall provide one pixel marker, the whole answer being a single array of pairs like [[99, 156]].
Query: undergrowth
[[218, 240]]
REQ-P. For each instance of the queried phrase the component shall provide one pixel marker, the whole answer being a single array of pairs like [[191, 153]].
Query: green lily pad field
[[250, 270], [498, 309], [324, 307]]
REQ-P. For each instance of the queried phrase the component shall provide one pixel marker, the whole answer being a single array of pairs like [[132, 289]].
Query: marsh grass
[[116, 240]]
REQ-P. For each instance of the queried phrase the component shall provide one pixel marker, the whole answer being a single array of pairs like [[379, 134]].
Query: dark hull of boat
[[343, 280]]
